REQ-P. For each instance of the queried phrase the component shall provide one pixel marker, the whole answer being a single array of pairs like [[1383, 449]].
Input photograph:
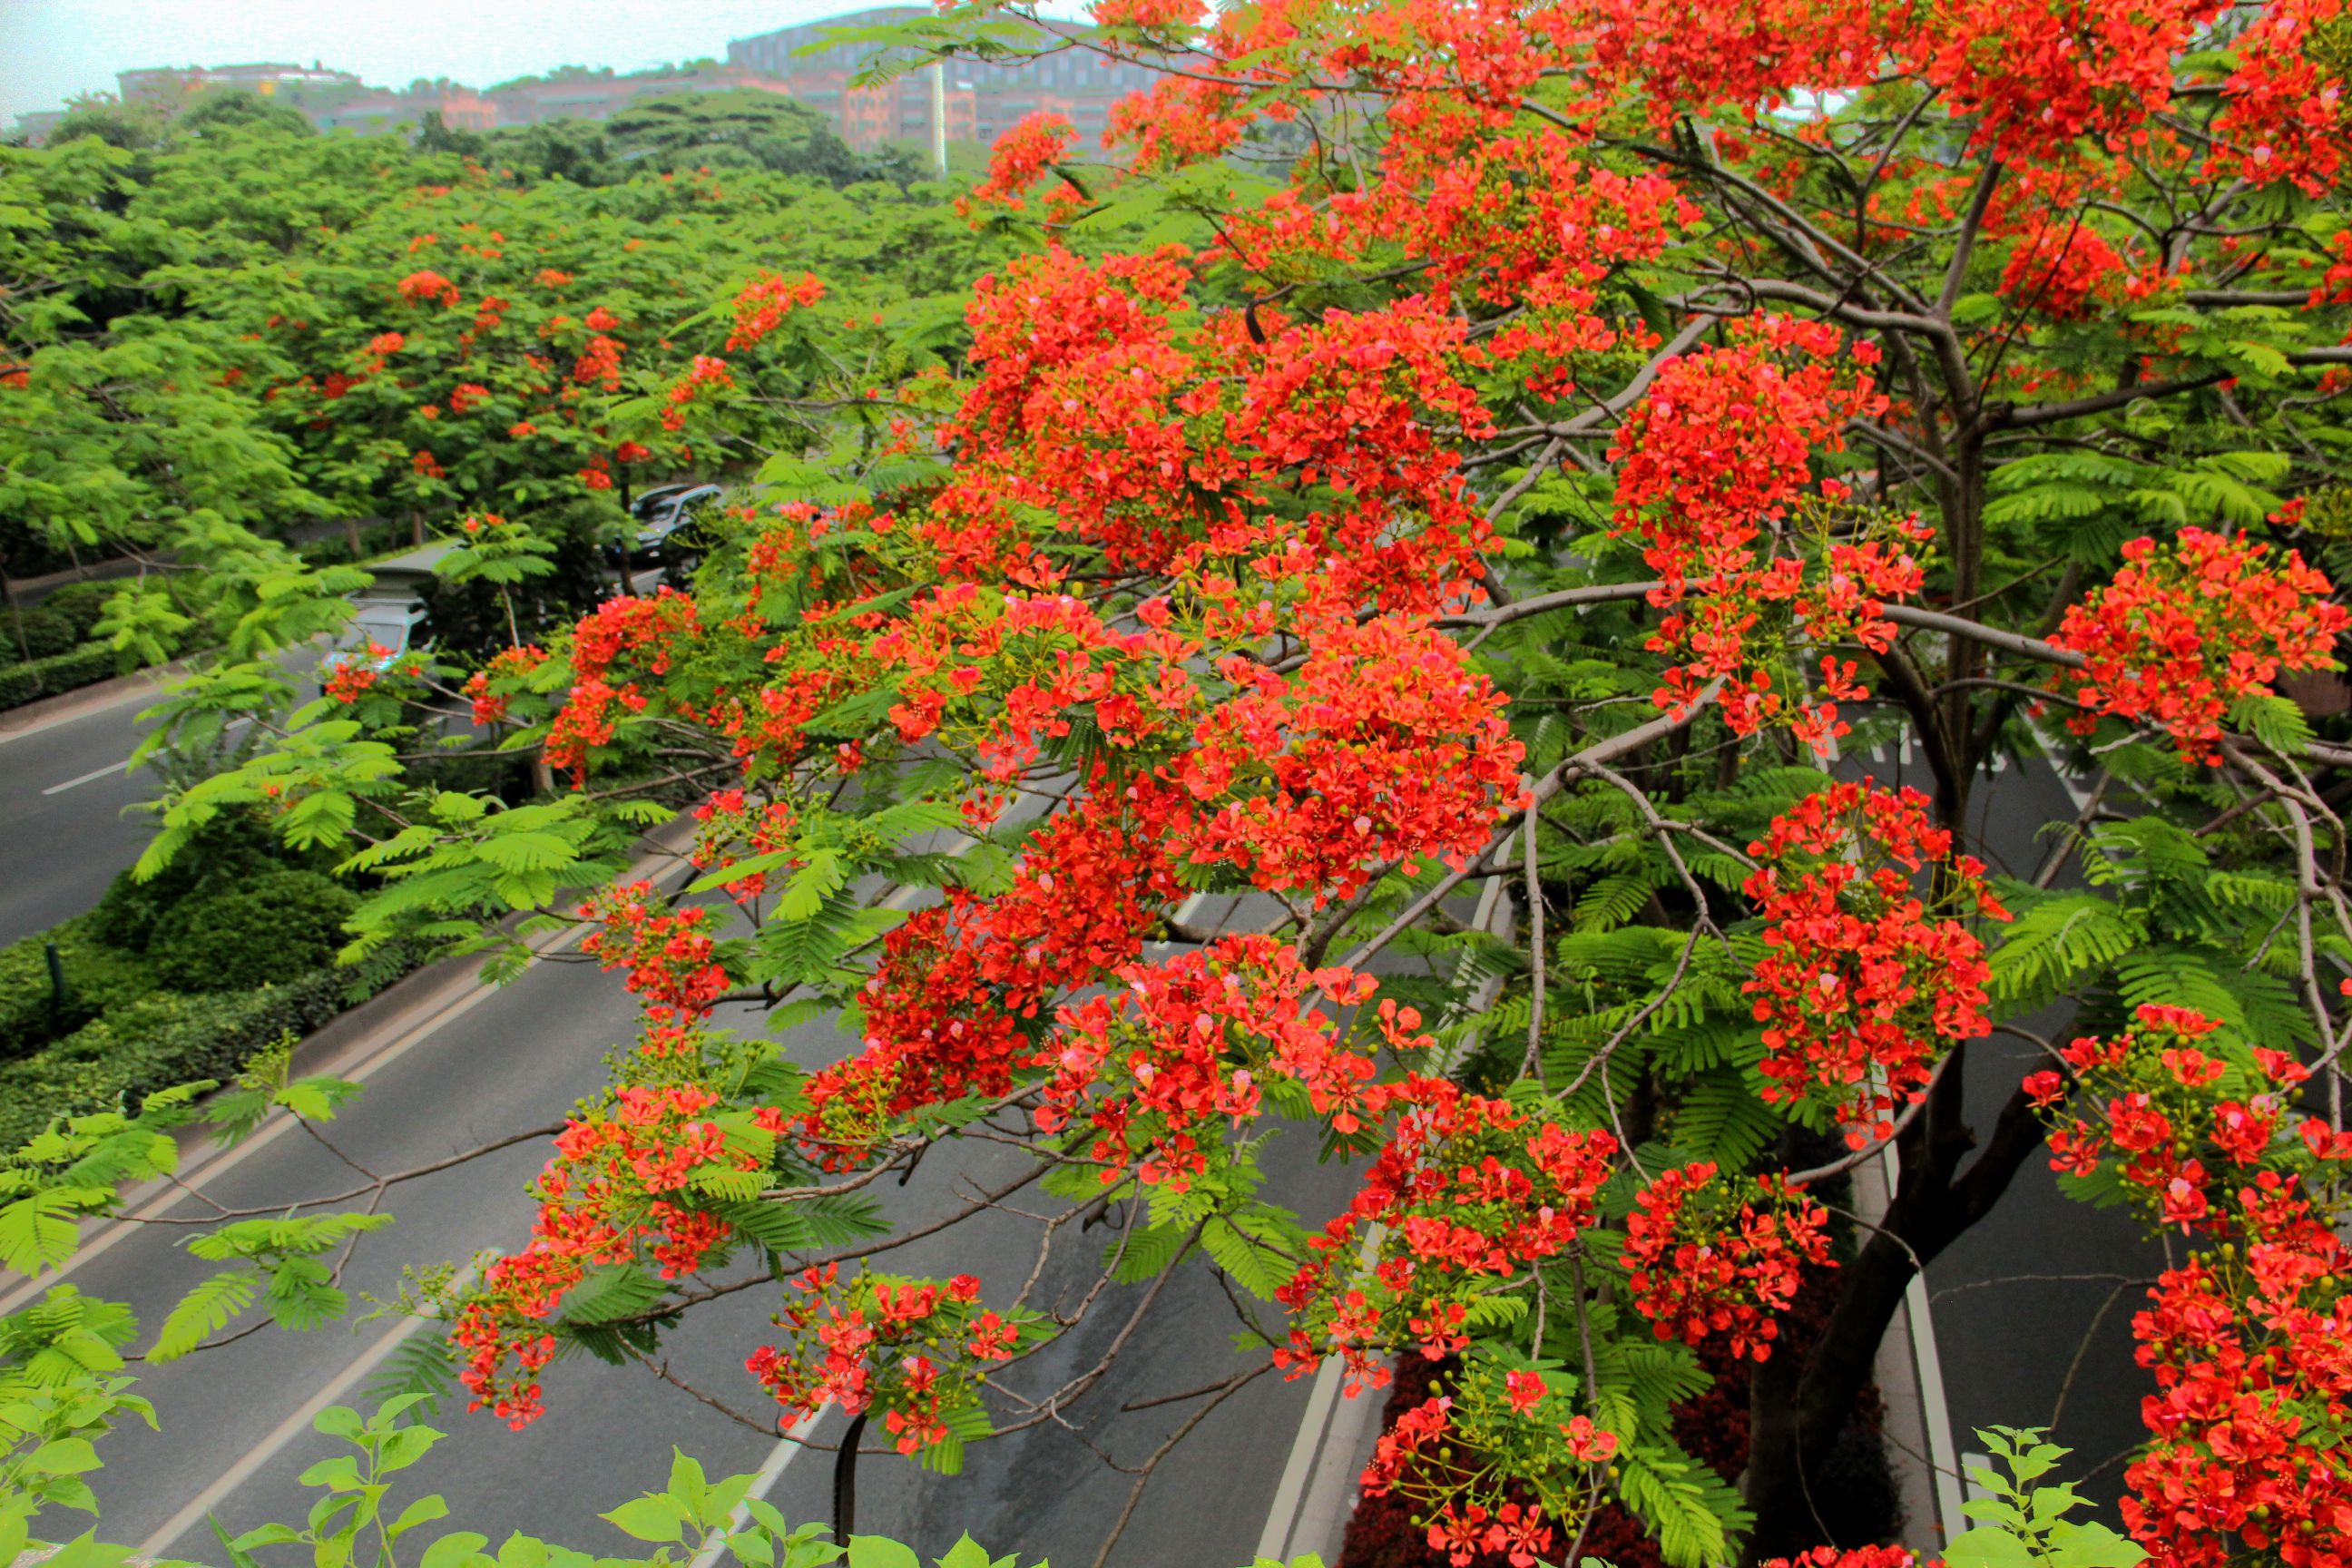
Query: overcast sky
[[51, 48]]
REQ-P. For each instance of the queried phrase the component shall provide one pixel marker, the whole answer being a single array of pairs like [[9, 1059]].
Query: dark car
[[656, 514], [697, 530]]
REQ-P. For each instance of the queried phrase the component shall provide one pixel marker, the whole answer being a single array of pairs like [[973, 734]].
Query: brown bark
[[1800, 1399]]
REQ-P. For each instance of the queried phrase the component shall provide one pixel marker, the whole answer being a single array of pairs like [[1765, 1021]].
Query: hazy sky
[[49, 48]]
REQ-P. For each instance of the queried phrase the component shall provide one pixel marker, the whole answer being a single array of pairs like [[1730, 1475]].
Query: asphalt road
[[67, 821], [65, 825], [235, 1435], [2034, 1303], [2033, 1306]]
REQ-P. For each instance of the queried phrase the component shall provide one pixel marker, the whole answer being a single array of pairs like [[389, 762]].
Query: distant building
[[36, 127], [984, 100], [460, 108], [601, 94], [310, 89]]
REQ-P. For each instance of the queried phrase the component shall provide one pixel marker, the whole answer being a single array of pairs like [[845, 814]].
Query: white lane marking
[[410, 1036], [286, 1431], [90, 777], [762, 1483]]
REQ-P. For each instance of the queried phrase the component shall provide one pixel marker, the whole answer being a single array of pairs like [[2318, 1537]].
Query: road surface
[[2015, 1302], [67, 793], [2033, 1306], [234, 1420]]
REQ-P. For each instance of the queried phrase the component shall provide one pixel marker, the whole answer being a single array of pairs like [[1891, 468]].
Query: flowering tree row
[[1435, 448]]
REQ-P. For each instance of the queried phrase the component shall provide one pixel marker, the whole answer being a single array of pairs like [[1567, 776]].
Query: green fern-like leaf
[[424, 1367], [204, 1311], [610, 1292], [1722, 1120]]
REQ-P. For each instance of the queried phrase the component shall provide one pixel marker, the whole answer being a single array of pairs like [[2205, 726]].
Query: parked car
[[697, 532], [389, 624], [657, 513]]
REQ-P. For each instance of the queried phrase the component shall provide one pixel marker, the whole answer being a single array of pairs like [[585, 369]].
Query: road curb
[[1317, 1494], [65, 707], [351, 1044]]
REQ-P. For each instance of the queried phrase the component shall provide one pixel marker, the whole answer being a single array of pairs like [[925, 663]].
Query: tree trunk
[[1799, 1400]]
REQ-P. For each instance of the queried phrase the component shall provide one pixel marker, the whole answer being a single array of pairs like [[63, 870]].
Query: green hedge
[[82, 604], [37, 633], [264, 930], [154, 1043], [20, 683], [97, 977]]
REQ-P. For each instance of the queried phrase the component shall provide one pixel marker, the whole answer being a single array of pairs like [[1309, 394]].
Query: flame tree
[[1434, 446]]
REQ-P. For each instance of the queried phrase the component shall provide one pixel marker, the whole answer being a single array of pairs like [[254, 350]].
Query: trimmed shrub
[[224, 855], [97, 977], [154, 1043], [81, 603], [37, 633], [263, 931], [20, 683]]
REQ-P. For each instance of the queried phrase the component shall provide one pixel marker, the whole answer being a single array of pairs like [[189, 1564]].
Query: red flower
[[761, 306], [2188, 627], [1704, 1263], [1022, 155], [1861, 987], [420, 286]]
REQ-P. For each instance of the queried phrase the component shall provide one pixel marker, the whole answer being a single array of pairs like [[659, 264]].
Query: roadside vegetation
[[1353, 613]]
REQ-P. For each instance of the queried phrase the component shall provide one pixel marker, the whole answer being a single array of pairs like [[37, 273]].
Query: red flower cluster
[[1861, 987], [2037, 79], [948, 1008], [2180, 1121], [2060, 268], [1386, 746], [1716, 479], [351, 679], [1023, 156], [2281, 117], [491, 687], [2250, 1426], [1468, 1190], [589, 715], [1705, 1262], [599, 362], [671, 957], [916, 1348], [732, 830], [1490, 1469], [619, 1184], [1192, 1040], [705, 375], [656, 629], [419, 287], [764, 304], [1178, 121], [2190, 626], [1853, 1557]]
